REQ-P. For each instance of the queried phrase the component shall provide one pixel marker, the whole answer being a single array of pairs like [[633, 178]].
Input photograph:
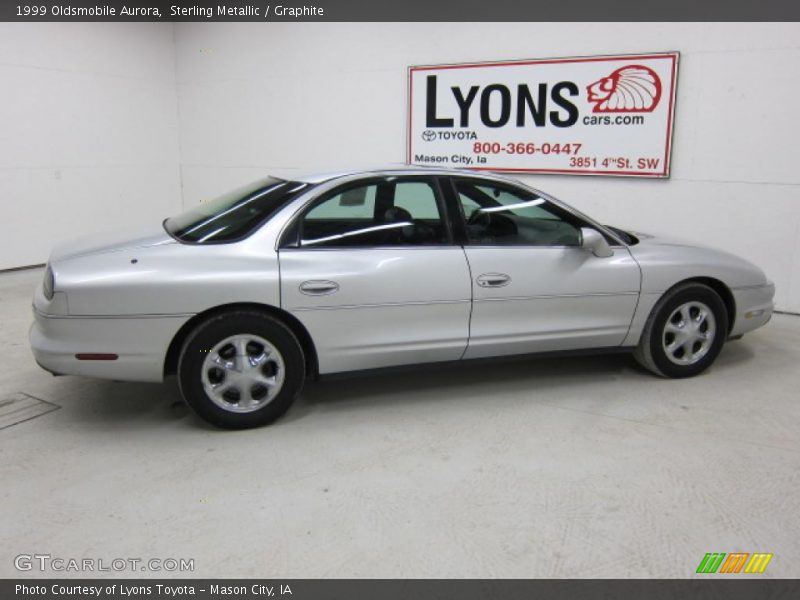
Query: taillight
[[49, 283]]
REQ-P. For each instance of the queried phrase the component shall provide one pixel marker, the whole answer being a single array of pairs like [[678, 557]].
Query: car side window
[[356, 203], [418, 199], [387, 212], [497, 214]]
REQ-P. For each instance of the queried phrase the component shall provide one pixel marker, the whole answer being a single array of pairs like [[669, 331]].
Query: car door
[[534, 288], [370, 269]]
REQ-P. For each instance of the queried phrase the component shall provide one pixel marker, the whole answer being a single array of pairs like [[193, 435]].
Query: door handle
[[493, 280], [317, 287]]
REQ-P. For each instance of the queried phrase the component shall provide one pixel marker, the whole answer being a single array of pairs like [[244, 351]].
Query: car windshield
[[234, 215]]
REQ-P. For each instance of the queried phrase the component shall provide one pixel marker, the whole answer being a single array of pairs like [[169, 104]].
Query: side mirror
[[594, 242]]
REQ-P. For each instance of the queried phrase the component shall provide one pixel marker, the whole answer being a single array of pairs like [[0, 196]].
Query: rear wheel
[[241, 369], [684, 333]]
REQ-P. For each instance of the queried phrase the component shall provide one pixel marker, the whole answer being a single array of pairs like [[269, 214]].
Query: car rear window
[[235, 215]]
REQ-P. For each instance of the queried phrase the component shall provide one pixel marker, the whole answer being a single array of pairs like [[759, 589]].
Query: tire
[[241, 369], [684, 333]]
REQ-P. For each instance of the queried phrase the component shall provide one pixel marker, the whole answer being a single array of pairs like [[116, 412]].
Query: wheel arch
[[296, 327], [722, 290], [724, 293]]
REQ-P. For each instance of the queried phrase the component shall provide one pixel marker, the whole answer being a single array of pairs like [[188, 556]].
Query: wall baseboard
[[25, 268]]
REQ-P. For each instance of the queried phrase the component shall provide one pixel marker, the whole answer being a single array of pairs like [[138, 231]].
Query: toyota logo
[[428, 135]]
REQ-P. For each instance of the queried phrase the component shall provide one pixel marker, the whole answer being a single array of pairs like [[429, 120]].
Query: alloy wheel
[[689, 333], [243, 373]]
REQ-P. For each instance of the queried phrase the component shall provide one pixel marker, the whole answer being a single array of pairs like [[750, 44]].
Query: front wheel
[[684, 333], [241, 369]]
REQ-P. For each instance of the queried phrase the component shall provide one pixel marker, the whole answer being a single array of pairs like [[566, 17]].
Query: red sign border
[[673, 55]]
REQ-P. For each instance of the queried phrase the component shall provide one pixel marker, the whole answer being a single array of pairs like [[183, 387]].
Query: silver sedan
[[246, 296]]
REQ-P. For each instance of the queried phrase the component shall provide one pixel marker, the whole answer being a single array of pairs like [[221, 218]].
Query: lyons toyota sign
[[609, 115]]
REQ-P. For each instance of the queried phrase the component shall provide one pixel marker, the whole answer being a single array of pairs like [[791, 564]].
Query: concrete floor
[[584, 467]]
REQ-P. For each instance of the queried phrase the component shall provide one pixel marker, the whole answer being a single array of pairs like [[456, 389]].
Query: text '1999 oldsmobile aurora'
[[245, 296]]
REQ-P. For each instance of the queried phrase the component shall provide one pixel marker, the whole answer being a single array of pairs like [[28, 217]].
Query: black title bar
[[741, 588], [405, 10]]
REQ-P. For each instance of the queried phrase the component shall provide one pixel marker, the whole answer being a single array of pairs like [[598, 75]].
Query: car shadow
[[493, 378], [127, 406], [122, 406], [733, 354], [542, 377]]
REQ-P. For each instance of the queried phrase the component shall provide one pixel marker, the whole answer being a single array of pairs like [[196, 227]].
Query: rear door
[[371, 270]]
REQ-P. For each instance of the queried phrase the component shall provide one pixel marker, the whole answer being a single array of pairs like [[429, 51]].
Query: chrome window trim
[[525, 247], [448, 246]]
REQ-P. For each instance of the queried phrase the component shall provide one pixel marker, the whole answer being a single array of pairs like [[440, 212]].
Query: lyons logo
[[736, 562], [634, 88]]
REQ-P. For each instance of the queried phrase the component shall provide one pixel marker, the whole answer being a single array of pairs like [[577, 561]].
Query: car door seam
[[280, 279], [638, 296], [471, 302]]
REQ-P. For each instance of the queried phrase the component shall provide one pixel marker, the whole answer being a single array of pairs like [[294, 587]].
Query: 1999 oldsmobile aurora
[[247, 295]]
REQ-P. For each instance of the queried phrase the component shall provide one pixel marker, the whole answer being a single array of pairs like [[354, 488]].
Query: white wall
[[92, 134], [257, 98], [88, 132]]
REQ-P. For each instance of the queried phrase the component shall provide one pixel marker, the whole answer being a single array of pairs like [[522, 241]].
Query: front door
[[535, 289]]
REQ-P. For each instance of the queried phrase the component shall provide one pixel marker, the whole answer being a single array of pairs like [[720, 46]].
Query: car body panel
[[667, 262], [113, 241], [140, 344], [393, 306], [754, 307], [167, 279], [559, 298]]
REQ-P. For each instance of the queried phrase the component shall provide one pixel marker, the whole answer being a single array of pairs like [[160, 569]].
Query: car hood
[[664, 240], [669, 241], [113, 241]]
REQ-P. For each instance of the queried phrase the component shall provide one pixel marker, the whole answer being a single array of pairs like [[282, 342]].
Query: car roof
[[322, 177]]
